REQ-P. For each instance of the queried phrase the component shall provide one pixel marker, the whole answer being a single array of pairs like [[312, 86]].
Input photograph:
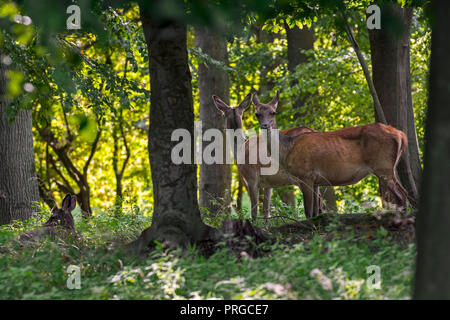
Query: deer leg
[[308, 199], [400, 192], [266, 202], [253, 193], [392, 191], [385, 194], [400, 199]]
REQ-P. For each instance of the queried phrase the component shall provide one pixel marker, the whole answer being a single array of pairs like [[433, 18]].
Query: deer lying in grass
[[60, 222], [252, 172], [337, 158]]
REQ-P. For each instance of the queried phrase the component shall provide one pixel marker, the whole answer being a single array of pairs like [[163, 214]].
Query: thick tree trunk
[[298, 40], [433, 238], [84, 198], [215, 179], [413, 145], [18, 181], [176, 216], [390, 53]]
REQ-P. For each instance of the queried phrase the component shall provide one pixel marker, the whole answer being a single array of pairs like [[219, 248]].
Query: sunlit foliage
[[84, 82]]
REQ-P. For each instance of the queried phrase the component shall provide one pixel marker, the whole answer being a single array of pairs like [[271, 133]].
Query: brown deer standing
[[252, 172], [337, 158]]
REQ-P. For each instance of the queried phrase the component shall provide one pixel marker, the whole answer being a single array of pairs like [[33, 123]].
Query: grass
[[328, 264]]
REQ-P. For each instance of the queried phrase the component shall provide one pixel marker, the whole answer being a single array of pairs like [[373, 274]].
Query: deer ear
[[66, 202], [275, 99], [73, 203], [220, 105], [69, 203], [245, 103], [255, 100]]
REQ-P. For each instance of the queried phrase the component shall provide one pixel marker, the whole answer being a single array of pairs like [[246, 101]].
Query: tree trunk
[[117, 133], [215, 179], [119, 172], [298, 40], [84, 198], [390, 53], [176, 216], [18, 181], [267, 65], [433, 239], [239, 193]]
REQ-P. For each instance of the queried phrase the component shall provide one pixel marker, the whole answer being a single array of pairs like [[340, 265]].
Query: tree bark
[[215, 179], [176, 216], [18, 180], [390, 53], [298, 40], [432, 279]]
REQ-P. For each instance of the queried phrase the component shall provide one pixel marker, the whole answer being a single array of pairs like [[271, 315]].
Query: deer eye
[[257, 115], [274, 113]]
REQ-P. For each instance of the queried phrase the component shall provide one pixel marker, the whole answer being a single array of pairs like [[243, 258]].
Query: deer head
[[233, 116], [266, 112], [60, 222], [63, 217]]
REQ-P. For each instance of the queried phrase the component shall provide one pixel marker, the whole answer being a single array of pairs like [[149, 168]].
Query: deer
[[336, 158], [60, 223], [252, 172]]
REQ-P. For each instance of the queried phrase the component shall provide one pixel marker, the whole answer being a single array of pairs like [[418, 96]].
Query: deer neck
[[283, 142], [238, 134]]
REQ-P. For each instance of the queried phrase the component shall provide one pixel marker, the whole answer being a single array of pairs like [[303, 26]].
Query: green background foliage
[[82, 74], [92, 79]]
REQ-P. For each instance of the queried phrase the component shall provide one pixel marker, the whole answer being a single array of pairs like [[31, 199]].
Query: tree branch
[[93, 147], [53, 162], [362, 61], [69, 133]]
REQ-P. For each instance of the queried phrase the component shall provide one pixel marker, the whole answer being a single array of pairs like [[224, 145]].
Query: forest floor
[[330, 257]]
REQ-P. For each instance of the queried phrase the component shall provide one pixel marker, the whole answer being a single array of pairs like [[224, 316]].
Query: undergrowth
[[330, 264]]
